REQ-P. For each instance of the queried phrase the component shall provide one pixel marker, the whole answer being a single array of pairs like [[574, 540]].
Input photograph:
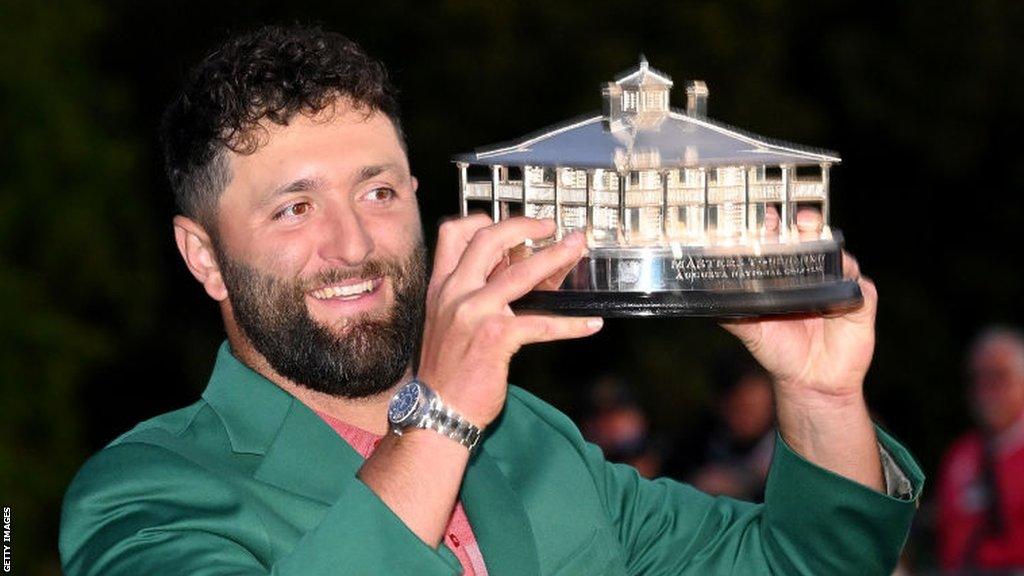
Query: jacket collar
[[303, 455], [251, 407]]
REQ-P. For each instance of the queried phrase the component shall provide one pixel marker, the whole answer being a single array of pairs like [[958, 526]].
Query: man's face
[[320, 248], [997, 385]]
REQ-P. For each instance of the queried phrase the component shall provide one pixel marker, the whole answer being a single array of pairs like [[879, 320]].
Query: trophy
[[683, 215]]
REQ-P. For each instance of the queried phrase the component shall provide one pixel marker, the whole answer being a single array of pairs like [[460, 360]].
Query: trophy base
[[722, 281], [818, 299]]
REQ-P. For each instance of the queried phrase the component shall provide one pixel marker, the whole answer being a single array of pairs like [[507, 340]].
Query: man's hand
[[468, 340], [471, 332], [819, 364], [819, 359]]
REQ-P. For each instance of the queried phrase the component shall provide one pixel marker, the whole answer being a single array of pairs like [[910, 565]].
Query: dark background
[[101, 325]]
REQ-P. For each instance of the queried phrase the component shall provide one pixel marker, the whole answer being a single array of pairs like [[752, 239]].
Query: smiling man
[[316, 449]]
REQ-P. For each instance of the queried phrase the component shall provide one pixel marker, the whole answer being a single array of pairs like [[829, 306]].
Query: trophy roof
[[638, 130], [677, 142], [643, 74]]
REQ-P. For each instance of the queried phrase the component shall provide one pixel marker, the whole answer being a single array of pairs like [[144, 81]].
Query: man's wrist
[[467, 401], [813, 415], [836, 434], [822, 398], [417, 406]]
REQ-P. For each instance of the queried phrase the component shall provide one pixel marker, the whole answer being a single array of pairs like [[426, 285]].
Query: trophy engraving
[[683, 215]]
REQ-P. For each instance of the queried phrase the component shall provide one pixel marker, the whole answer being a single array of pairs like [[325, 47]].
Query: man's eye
[[293, 210], [382, 194]]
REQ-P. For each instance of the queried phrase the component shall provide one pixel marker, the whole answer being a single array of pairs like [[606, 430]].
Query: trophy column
[[463, 185]]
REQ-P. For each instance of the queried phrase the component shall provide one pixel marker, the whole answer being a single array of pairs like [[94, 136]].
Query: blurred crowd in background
[[101, 325]]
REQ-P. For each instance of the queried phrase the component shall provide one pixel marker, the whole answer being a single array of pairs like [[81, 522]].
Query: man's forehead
[[335, 125], [339, 147]]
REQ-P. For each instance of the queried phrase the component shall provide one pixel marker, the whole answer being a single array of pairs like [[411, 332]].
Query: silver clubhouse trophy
[[683, 215]]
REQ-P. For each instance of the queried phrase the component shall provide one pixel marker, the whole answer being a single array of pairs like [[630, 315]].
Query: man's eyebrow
[[297, 186], [314, 183], [368, 172]]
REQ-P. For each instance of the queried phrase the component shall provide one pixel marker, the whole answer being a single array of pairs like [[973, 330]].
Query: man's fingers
[[529, 328], [488, 245], [866, 312], [554, 281], [809, 223], [452, 239], [748, 330], [809, 219], [851, 269], [523, 276]]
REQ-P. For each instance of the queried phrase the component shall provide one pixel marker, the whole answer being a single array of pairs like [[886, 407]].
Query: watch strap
[[447, 422]]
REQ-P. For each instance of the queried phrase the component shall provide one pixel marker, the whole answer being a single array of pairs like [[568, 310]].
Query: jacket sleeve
[[812, 521], [137, 508]]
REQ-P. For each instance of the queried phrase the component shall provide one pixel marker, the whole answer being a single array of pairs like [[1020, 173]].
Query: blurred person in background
[[981, 486], [730, 456], [619, 426]]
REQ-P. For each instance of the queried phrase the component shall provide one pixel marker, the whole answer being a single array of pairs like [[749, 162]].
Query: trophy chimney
[[696, 99]]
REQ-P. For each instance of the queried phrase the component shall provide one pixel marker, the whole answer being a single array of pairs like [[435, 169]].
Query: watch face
[[404, 403]]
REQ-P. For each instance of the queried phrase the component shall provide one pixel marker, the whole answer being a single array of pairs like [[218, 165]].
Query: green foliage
[[76, 276]]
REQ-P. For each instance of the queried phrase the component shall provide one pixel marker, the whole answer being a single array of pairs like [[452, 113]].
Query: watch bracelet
[[447, 422]]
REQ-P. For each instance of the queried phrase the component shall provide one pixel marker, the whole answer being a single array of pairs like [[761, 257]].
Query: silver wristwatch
[[415, 405]]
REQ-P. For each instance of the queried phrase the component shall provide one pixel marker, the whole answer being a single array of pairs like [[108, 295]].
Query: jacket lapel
[[308, 458], [301, 453], [498, 518]]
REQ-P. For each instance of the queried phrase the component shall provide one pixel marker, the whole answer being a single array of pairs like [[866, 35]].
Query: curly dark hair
[[269, 74]]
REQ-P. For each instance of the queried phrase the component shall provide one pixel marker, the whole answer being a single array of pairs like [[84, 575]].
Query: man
[[981, 488], [299, 216]]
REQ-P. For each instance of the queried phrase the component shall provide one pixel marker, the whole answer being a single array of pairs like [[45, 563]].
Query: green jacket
[[250, 481]]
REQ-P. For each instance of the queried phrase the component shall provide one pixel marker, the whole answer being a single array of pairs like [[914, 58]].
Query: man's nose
[[345, 238]]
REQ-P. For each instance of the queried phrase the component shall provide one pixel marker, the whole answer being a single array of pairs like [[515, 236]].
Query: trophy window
[[510, 192], [539, 191], [686, 223], [604, 207], [644, 194], [572, 199], [478, 185]]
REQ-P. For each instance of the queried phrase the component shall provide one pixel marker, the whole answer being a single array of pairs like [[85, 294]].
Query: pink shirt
[[458, 535]]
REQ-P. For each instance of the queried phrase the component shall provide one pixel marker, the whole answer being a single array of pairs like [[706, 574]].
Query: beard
[[364, 356]]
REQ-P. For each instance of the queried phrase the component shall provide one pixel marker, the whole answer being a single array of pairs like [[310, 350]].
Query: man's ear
[[196, 249]]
